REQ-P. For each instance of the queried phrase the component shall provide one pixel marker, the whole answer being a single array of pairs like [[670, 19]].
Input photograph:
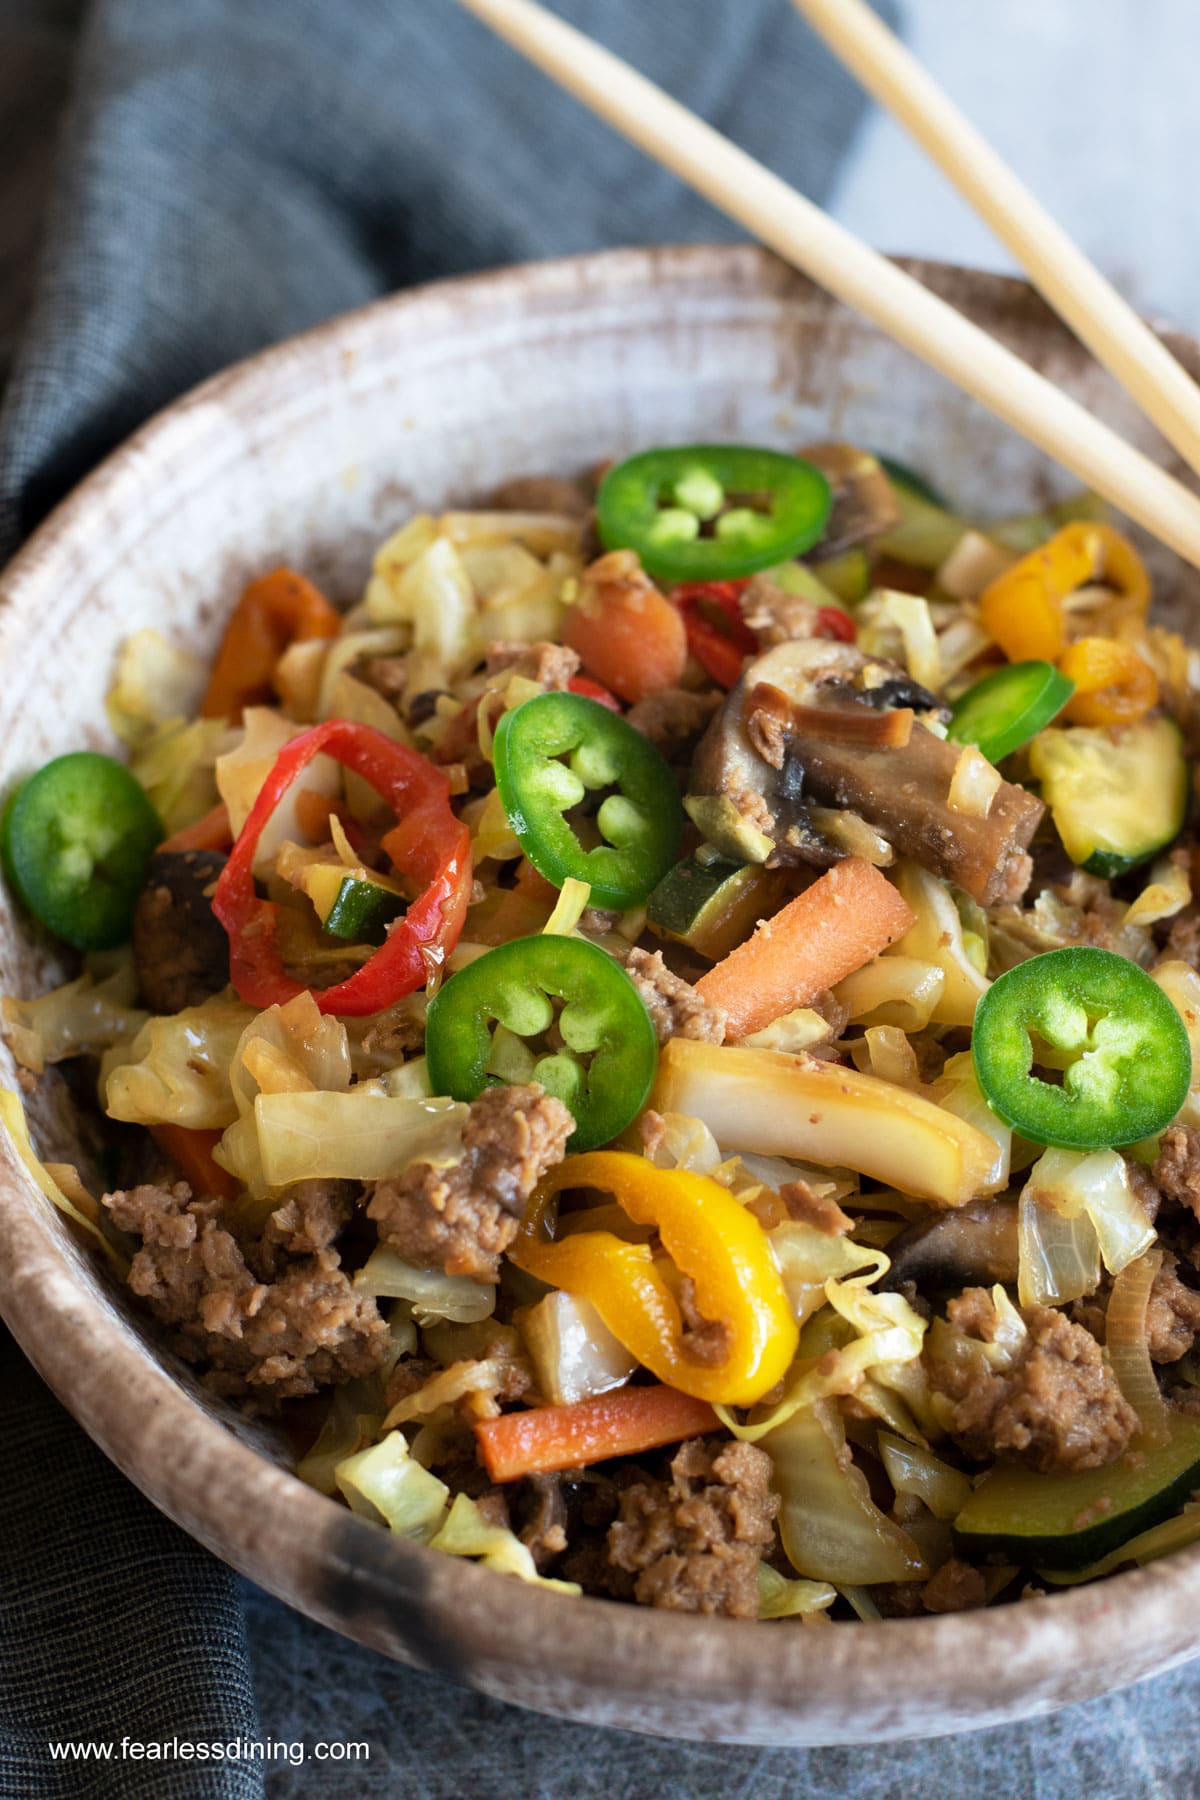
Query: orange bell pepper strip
[[192, 1153], [709, 1236], [627, 1423], [277, 610], [1113, 684], [212, 832], [1025, 609]]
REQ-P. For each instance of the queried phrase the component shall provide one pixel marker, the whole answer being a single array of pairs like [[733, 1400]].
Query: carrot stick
[[569, 1437], [212, 832], [278, 609], [192, 1153], [820, 937]]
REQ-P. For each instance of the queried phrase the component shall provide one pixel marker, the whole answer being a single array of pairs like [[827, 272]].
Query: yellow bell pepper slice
[[710, 1238], [1113, 684], [1024, 609]]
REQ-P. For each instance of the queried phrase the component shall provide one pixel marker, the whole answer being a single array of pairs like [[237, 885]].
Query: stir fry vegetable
[[710, 512], [427, 845], [483, 1022], [552, 755], [667, 1066], [1123, 1051], [75, 840]]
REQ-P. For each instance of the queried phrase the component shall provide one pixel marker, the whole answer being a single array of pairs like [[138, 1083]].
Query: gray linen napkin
[[229, 172]]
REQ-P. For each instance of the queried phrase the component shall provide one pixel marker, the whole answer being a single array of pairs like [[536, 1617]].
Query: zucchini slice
[[714, 906], [351, 903], [1067, 1521], [1118, 795]]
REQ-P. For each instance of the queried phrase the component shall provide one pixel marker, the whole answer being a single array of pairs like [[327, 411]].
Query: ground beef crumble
[[1172, 1314], [550, 665], [675, 1007], [1057, 1408], [265, 1323], [694, 1540], [463, 1218], [957, 1587], [775, 616], [1177, 1171]]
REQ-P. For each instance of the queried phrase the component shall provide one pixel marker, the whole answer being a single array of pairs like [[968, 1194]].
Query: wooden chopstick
[[855, 274], [1058, 268]]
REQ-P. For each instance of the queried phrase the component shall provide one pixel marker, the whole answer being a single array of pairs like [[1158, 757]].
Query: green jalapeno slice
[[1104, 1028], [567, 766], [1009, 707], [712, 512], [75, 841], [488, 1025]]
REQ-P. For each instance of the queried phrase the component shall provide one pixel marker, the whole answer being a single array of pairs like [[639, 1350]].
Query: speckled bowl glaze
[[311, 453]]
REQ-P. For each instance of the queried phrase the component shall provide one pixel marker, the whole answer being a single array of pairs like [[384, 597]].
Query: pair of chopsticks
[[836, 260]]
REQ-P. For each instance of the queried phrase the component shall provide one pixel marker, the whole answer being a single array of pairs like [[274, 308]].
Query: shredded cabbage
[[938, 937], [957, 1090], [177, 1069], [82, 1210], [792, 1032], [476, 1380], [291, 1049], [913, 1470], [433, 1294], [779, 1598], [176, 764], [385, 1484], [893, 990], [352, 1423], [884, 1330], [154, 681], [831, 1528], [466, 1532], [356, 1136], [1181, 984], [83, 1017]]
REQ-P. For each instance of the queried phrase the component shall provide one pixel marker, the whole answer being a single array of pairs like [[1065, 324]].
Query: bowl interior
[[312, 454]]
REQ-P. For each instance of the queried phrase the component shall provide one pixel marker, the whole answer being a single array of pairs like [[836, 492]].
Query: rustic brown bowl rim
[[673, 1674]]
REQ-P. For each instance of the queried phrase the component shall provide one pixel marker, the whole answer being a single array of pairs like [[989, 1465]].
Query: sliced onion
[[1128, 1345]]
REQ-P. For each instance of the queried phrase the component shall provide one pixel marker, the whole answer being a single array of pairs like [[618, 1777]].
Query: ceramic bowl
[[311, 453]]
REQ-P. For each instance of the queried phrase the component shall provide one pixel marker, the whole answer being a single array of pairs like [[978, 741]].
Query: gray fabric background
[[229, 171]]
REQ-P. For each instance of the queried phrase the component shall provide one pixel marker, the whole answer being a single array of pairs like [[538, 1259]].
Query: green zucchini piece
[[1067, 1521], [847, 577], [901, 476], [362, 911], [925, 535], [713, 906], [1117, 795], [798, 578]]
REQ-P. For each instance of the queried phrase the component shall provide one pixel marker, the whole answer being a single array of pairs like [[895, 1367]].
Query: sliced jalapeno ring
[[75, 841], [484, 1024], [1132, 1063], [1009, 707], [712, 512], [639, 816]]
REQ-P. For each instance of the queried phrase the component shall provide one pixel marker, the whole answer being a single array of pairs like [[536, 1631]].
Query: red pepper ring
[[721, 644], [428, 845]]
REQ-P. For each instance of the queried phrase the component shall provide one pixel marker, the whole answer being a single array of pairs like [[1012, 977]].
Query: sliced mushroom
[[864, 501], [767, 757], [976, 1245]]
